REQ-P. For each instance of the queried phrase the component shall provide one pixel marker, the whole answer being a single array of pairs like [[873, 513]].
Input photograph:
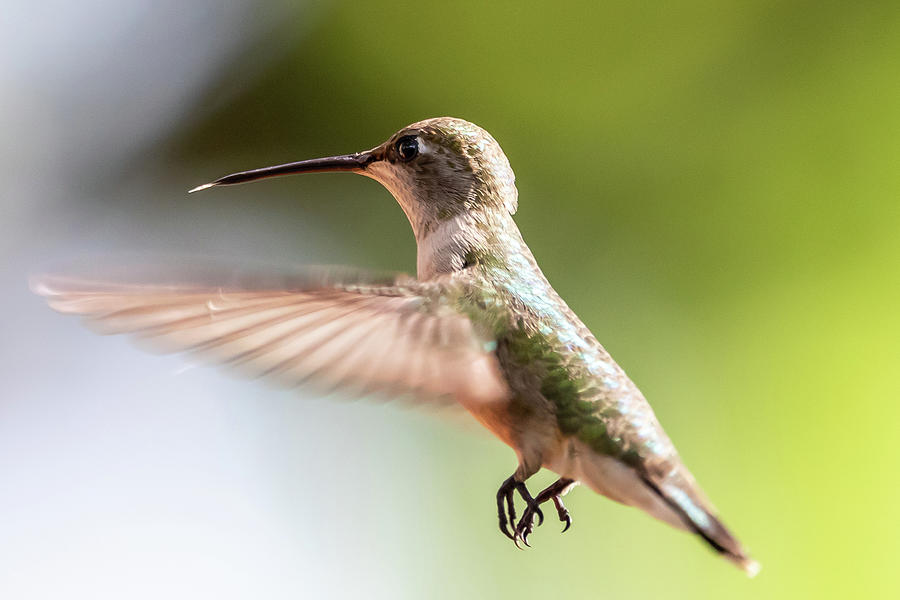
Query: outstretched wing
[[332, 329]]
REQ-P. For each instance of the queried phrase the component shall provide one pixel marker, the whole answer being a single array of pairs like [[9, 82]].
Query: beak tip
[[200, 188]]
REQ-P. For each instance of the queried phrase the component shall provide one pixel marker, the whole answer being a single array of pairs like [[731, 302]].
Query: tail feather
[[701, 519], [666, 491]]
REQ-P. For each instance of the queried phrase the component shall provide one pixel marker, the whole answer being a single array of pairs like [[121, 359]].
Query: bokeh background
[[713, 187]]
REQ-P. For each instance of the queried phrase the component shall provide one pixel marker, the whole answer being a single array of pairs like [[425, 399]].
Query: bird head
[[436, 169]]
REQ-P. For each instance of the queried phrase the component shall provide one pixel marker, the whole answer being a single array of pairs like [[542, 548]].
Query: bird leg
[[506, 508], [553, 492]]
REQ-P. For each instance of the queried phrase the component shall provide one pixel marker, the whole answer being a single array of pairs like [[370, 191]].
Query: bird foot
[[506, 509], [526, 524]]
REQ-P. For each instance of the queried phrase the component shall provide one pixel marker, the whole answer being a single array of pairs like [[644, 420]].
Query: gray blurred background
[[713, 187]]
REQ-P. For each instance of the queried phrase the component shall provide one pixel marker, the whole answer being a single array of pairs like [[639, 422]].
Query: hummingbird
[[479, 327]]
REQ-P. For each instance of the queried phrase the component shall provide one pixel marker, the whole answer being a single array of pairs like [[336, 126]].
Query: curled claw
[[504, 522], [533, 509], [506, 509], [505, 529], [524, 529], [563, 513], [526, 524]]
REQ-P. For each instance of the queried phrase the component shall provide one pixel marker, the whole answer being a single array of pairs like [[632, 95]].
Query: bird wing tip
[[41, 285]]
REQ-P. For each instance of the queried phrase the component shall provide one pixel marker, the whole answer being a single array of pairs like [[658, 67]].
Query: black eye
[[408, 147]]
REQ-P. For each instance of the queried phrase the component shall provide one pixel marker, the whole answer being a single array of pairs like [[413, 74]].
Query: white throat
[[443, 249], [448, 246]]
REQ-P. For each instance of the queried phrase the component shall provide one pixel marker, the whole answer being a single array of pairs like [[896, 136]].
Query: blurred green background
[[712, 186]]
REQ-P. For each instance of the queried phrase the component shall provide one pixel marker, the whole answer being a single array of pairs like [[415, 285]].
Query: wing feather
[[347, 335]]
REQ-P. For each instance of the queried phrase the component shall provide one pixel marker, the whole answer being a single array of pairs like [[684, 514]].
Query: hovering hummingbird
[[480, 327]]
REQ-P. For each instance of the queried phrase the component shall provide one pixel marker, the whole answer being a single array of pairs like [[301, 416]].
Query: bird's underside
[[423, 340]]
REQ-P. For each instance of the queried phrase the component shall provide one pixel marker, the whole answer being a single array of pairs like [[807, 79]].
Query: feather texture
[[322, 330]]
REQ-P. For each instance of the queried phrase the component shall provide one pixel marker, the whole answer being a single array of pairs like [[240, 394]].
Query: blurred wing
[[359, 337]]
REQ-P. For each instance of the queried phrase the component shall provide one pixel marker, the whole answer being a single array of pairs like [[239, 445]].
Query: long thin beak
[[348, 162]]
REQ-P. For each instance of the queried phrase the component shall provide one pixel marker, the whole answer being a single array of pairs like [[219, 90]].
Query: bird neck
[[467, 238]]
